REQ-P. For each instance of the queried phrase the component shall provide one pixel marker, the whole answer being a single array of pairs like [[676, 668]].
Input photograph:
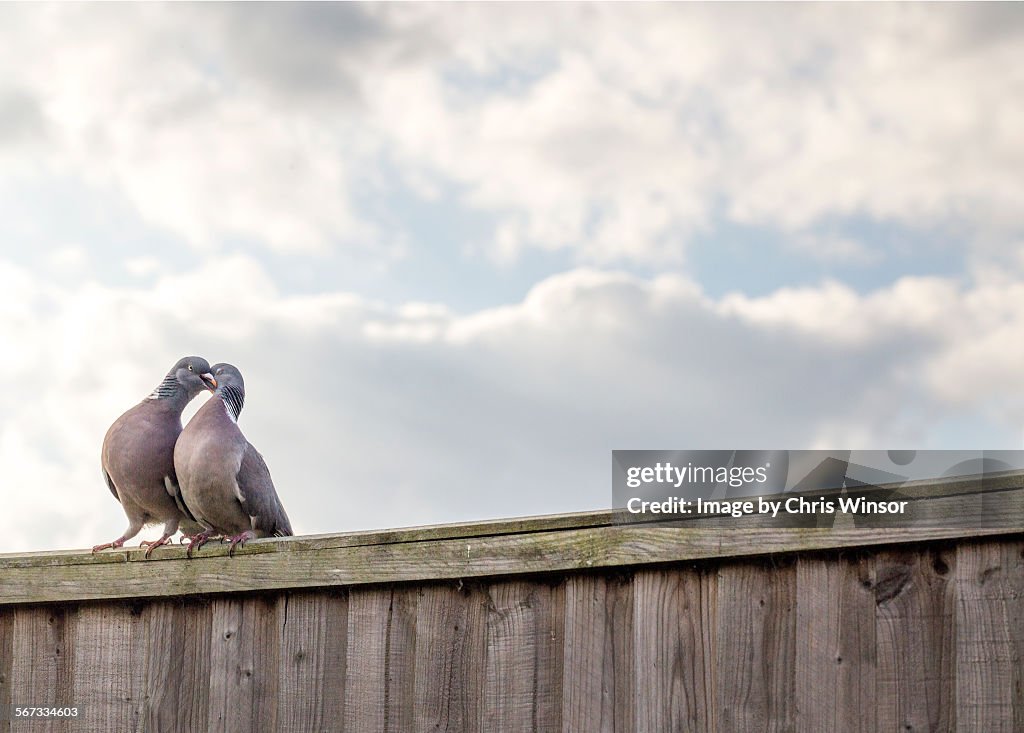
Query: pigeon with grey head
[[138, 454], [224, 480]]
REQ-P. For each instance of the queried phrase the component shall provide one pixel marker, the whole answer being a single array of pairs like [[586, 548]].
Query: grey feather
[[137, 456], [190, 525], [260, 498], [224, 480], [110, 484]]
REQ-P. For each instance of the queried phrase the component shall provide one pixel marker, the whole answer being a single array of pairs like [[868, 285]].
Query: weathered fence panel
[[644, 629]]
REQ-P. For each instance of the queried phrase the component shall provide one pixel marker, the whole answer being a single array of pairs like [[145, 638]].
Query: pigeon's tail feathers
[[260, 498]]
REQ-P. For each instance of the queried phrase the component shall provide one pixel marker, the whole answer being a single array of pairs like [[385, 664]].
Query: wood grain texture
[[177, 663], [599, 676], [755, 672], [244, 662], [380, 667], [674, 651], [42, 662], [949, 509], [313, 662], [915, 618], [523, 673], [989, 619], [835, 645], [400, 660], [1014, 554], [6, 662], [915, 637], [450, 649], [367, 654], [277, 564], [112, 638]]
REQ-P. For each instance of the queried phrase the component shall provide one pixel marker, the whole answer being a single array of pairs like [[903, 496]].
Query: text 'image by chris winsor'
[[324, 323]]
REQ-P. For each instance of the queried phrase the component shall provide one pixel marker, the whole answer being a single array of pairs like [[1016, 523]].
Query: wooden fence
[[564, 623]]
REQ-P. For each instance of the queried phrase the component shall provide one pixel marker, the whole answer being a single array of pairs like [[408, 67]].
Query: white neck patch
[[229, 411]]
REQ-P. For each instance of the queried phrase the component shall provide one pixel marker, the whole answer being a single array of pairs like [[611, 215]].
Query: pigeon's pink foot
[[239, 539], [115, 544], [198, 540], [151, 545]]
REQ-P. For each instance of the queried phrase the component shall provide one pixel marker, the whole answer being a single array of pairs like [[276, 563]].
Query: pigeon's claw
[[152, 544], [240, 539], [109, 545], [198, 540]]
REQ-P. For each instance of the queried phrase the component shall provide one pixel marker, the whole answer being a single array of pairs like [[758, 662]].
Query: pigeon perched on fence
[[224, 480], [138, 454]]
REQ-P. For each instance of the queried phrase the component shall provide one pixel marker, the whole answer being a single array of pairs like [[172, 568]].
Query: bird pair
[[206, 479]]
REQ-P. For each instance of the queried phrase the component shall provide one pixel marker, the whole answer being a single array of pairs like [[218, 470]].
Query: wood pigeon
[[138, 454], [224, 480]]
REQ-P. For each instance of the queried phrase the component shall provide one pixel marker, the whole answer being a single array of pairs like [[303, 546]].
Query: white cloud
[[131, 109], [567, 131], [69, 259], [630, 142], [142, 266], [913, 307]]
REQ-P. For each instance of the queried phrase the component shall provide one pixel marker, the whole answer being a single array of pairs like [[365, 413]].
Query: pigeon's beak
[[211, 383]]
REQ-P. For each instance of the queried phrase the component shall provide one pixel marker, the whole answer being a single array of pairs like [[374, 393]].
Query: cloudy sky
[[461, 252]]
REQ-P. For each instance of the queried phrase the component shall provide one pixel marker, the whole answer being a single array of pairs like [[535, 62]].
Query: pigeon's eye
[[190, 367]]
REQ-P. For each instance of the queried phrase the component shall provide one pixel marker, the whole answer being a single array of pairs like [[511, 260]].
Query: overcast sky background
[[461, 252]]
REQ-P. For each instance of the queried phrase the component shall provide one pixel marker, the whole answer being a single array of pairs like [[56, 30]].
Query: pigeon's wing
[[174, 489], [110, 483], [258, 496]]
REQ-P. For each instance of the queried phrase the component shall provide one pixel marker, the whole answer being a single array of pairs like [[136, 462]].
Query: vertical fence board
[[986, 660], [400, 661], [244, 649], [598, 680], [313, 659], [550, 657], [524, 657], [366, 652], [1014, 553], [835, 652], [379, 680], [109, 637], [756, 627], [586, 705], [620, 660], [914, 625], [450, 628], [228, 690], [178, 666], [41, 664], [6, 661], [672, 650]]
